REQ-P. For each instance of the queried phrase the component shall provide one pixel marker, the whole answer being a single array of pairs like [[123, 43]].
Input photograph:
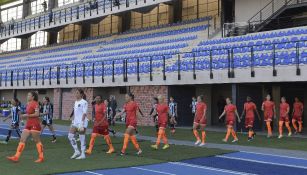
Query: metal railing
[[177, 59], [70, 14], [268, 11]]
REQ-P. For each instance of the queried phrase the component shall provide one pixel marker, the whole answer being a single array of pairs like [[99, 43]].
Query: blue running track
[[239, 163]]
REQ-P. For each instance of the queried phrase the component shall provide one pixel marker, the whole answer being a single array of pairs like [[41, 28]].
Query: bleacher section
[[140, 44], [283, 42], [168, 49]]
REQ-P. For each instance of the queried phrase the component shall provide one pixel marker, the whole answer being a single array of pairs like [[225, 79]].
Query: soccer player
[[153, 111], [79, 124], [101, 126], [248, 111], [193, 106], [173, 111], [47, 114], [162, 111], [109, 113], [284, 117], [297, 115], [200, 121], [15, 118], [32, 128], [231, 112], [268, 108], [130, 108]]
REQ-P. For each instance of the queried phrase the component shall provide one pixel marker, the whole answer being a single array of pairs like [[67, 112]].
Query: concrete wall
[[245, 9]]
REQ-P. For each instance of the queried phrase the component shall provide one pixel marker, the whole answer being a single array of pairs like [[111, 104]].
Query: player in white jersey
[[79, 124]]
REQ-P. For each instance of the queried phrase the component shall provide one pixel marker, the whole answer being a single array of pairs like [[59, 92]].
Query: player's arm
[[224, 112], [274, 112], [205, 112], [176, 110], [71, 114], [262, 107], [293, 110], [84, 115], [120, 113], [258, 114], [140, 112], [237, 114], [243, 112], [153, 113], [288, 110], [35, 114]]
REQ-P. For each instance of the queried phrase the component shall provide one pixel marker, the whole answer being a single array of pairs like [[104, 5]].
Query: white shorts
[[84, 124]]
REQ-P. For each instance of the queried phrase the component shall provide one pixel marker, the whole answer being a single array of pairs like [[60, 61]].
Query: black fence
[[66, 14], [178, 57]]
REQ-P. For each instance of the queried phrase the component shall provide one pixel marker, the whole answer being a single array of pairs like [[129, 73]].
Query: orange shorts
[[200, 121], [249, 122], [162, 124], [297, 118], [268, 117], [33, 126], [284, 119], [102, 130], [230, 123], [131, 124]]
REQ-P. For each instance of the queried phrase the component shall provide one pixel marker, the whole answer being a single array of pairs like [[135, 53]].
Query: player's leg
[[9, 134], [107, 138], [280, 128], [165, 140], [83, 143], [24, 136], [269, 128], [94, 135], [294, 125], [195, 132], [134, 140], [287, 123], [159, 137], [18, 132], [203, 134], [126, 140], [73, 142], [173, 122], [228, 132], [51, 128], [300, 125], [39, 146], [234, 135]]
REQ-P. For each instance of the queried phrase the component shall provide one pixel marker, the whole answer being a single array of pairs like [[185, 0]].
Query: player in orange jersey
[[101, 125], [297, 115], [248, 111], [162, 110], [268, 108], [32, 128], [284, 117], [131, 109], [231, 113], [200, 121]]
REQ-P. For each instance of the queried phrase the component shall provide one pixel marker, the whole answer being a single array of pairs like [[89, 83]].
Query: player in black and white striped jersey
[[47, 113], [15, 119], [173, 112]]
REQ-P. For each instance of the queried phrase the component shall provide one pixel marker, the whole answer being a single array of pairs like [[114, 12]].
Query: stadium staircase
[[271, 11]]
